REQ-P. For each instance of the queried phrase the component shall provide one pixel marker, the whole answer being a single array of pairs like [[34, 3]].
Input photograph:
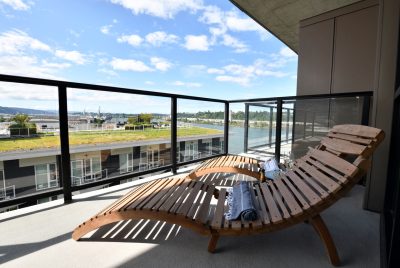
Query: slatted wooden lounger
[[315, 182]]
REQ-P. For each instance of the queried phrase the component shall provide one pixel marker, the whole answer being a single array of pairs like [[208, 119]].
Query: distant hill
[[17, 110]]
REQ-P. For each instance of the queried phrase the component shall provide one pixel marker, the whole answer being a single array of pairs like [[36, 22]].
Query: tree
[[145, 118], [21, 120], [132, 120], [22, 125]]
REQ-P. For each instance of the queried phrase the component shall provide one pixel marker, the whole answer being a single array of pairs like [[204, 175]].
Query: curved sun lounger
[[314, 183]]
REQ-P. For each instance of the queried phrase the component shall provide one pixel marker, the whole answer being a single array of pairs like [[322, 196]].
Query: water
[[257, 136]]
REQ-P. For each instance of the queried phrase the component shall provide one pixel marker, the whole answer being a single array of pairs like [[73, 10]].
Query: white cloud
[[151, 83], [186, 84], [165, 9], [158, 38], [215, 71], [196, 42], [287, 52], [105, 29], [245, 74], [160, 64], [73, 55], [244, 81], [230, 41], [26, 66], [133, 40], [28, 92], [16, 42], [129, 65], [55, 65], [107, 71], [17, 4]]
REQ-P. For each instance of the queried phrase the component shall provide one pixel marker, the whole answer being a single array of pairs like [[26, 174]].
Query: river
[[257, 136]]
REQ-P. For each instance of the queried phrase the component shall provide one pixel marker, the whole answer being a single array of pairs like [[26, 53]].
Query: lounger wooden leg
[[323, 232], [213, 242]]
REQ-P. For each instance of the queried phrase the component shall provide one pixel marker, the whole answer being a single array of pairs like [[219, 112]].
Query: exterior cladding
[[22, 177]]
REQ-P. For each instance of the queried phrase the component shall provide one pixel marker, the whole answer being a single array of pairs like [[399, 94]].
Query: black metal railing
[[65, 170]]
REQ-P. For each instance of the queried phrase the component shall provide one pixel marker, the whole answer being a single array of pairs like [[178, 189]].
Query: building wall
[[354, 49]]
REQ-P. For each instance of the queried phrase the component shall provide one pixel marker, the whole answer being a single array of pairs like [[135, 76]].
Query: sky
[[191, 47]]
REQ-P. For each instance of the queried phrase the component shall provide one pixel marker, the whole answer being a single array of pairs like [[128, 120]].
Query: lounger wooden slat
[[148, 195], [325, 169], [343, 146], [142, 195], [182, 198], [355, 139], [294, 207], [275, 215], [296, 193], [312, 197], [176, 194], [263, 211], [204, 208], [312, 183], [327, 182], [159, 195], [196, 205], [278, 200], [300, 194], [333, 161], [256, 223], [357, 130], [184, 209], [218, 218]]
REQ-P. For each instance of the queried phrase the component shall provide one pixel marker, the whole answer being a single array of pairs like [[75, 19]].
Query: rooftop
[[46, 240]]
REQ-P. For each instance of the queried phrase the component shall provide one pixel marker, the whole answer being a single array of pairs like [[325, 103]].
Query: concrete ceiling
[[282, 17]]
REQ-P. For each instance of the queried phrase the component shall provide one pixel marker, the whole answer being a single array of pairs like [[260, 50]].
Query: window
[[125, 163], [46, 176], [191, 150], [86, 170], [208, 146]]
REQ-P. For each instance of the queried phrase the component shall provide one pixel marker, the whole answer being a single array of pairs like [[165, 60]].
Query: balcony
[[46, 240], [75, 172]]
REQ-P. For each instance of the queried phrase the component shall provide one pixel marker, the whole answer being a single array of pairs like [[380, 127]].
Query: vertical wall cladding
[[202, 147], [22, 177], [216, 145], [136, 158], [181, 151], [165, 153], [110, 162]]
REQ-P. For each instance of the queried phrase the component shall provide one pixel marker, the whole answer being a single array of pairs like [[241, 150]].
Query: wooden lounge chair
[[315, 182]]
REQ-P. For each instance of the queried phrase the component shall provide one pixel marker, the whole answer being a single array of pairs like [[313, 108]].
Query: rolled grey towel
[[240, 203]]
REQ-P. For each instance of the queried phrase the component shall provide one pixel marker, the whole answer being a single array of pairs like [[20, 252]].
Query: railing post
[[226, 128], [365, 110], [64, 141], [246, 127], [287, 124], [174, 133], [278, 131], [271, 116]]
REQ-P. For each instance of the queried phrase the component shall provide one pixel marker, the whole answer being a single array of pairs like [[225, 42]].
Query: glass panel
[[77, 172], [200, 129], [29, 126], [236, 128], [118, 133]]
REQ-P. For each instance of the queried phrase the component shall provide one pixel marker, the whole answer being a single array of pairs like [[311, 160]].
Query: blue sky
[[193, 47]]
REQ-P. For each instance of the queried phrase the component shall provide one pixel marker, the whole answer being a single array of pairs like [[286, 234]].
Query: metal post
[[226, 128], [278, 131], [64, 141], [305, 125], [174, 132], [246, 127], [365, 110], [271, 116], [287, 124]]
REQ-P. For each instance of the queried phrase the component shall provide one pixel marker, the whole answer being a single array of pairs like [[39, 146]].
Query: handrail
[[66, 187]]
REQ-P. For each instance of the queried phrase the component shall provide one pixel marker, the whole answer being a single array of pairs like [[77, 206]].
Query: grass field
[[79, 138]]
